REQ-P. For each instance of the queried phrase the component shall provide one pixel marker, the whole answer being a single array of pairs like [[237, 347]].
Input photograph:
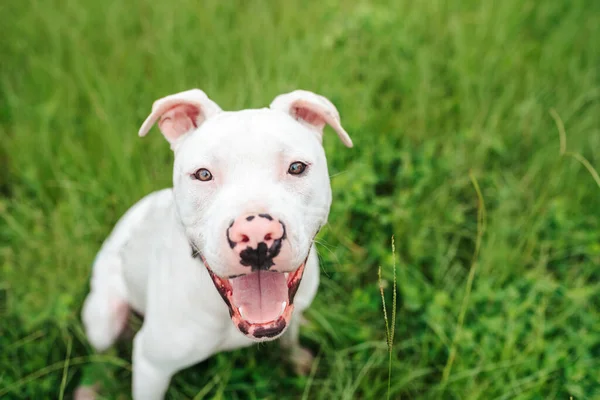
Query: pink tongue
[[260, 295]]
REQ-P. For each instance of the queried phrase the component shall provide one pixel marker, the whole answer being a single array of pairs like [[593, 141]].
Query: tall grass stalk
[[389, 327]]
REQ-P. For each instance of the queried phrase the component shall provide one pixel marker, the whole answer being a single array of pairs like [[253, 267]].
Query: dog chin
[[261, 303]]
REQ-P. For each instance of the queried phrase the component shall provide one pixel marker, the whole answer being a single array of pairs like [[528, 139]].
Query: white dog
[[226, 257]]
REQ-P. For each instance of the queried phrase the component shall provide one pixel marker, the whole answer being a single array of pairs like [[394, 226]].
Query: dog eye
[[296, 168], [203, 175]]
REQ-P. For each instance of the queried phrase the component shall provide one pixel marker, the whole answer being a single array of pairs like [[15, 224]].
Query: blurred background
[[477, 135]]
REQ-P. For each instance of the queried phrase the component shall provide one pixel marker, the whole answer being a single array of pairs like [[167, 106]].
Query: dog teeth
[[283, 305], [241, 311], [286, 274]]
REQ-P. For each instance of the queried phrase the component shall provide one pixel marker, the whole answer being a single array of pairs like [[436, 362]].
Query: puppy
[[226, 257]]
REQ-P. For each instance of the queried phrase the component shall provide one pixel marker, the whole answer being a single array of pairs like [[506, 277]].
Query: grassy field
[[476, 128]]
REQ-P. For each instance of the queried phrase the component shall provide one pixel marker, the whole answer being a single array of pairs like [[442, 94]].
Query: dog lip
[[270, 331]]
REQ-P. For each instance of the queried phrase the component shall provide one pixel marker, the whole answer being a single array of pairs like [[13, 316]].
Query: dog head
[[252, 190]]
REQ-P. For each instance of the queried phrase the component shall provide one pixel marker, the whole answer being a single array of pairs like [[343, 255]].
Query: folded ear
[[180, 113], [313, 110]]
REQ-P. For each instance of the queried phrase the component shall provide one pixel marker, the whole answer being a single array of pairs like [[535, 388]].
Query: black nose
[[262, 257]]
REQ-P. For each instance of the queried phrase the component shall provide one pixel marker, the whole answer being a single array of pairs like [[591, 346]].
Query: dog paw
[[86, 393], [302, 360]]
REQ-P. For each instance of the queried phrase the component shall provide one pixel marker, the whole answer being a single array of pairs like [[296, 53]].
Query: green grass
[[477, 132]]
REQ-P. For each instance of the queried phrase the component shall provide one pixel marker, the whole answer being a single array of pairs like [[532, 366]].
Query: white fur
[[146, 262]]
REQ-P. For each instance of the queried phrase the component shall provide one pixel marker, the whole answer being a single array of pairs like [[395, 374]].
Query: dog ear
[[313, 110], [179, 114]]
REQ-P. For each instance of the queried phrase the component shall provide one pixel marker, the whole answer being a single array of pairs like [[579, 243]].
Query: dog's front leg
[[150, 377], [159, 354], [300, 357]]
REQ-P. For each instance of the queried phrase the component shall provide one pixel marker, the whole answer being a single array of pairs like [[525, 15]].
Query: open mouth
[[261, 302]]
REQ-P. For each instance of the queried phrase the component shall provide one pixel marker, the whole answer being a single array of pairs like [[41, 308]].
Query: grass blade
[[390, 327]]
